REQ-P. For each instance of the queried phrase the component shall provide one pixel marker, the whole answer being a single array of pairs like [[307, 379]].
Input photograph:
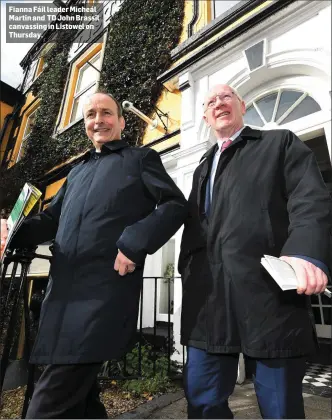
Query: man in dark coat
[[114, 208], [254, 193]]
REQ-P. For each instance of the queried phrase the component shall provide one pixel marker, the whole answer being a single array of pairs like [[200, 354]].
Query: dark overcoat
[[121, 199], [268, 198]]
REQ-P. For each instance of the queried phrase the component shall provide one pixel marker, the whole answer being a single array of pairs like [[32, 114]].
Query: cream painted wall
[[298, 55]]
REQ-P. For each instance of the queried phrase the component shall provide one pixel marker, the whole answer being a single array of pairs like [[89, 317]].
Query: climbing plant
[[140, 37]]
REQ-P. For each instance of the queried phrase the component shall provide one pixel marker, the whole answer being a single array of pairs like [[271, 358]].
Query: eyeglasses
[[224, 98]]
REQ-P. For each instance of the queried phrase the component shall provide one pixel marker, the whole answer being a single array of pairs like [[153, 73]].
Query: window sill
[[67, 127]]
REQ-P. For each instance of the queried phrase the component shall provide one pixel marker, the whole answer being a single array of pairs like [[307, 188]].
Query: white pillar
[[152, 268], [178, 354]]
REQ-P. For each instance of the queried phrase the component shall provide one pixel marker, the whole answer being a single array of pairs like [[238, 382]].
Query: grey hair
[[236, 93], [118, 105]]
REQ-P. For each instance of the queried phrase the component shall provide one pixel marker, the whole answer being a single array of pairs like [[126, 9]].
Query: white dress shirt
[[216, 159]]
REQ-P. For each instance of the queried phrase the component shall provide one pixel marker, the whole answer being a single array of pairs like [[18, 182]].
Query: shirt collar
[[232, 138], [248, 133], [106, 148], [114, 145]]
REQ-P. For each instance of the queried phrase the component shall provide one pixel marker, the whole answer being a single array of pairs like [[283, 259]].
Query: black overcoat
[[121, 199], [269, 198]]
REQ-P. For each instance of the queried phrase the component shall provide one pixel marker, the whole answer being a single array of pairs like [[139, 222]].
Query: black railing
[[154, 344], [10, 311]]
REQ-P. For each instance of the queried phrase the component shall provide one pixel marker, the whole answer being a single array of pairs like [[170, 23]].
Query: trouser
[[209, 380], [67, 392]]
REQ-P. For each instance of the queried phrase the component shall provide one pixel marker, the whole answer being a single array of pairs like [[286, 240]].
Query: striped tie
[[225, 145]]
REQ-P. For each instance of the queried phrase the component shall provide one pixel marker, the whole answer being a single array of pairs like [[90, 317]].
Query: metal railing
[[17, 290], [154, 344], [133, 365]]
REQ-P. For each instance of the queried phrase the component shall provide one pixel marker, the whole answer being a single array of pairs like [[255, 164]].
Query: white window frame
[[77, 95], [276, 105], [32, 74], [213, 11]]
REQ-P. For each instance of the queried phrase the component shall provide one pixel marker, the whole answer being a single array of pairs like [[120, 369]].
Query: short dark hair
[[118, 105]]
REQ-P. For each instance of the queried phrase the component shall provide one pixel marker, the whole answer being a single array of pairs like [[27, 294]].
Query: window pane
[[254, 55], [30, 122], [78, 104], [221, 7], [252, 117], [306, 107], [31, 74], [287, 99], [22, 150], [266, 105], [88, 74]]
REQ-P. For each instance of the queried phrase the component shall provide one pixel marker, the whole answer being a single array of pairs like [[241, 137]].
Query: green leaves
[[137, 51], [141, 35], [152, 382]]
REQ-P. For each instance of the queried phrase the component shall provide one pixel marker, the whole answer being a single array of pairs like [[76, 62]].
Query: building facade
[[11, 99], [277, 54], [278, 57]]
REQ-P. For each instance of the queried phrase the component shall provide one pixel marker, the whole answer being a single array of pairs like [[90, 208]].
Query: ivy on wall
[[138, 49], [141, 35], [41, 147]]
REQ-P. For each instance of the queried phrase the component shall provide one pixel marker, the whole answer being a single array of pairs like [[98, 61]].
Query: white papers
[[282, 273]]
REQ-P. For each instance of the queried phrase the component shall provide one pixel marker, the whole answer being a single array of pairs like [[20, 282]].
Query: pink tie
[[225, 145]]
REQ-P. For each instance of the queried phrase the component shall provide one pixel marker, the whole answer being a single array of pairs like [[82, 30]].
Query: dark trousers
[[210, 379], [67, 392]]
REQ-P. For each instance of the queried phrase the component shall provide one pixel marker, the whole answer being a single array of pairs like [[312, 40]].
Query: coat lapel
[[206, 163], [248, 133]]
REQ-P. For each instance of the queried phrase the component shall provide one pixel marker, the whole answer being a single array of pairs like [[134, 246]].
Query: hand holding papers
[[23, 206], [283, 273]]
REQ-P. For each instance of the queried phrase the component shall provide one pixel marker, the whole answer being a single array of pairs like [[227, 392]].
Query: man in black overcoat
[[115, 207], [254, 193]]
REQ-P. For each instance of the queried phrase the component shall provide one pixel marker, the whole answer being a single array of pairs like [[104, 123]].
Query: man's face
[[102, 123], [223, 110]]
